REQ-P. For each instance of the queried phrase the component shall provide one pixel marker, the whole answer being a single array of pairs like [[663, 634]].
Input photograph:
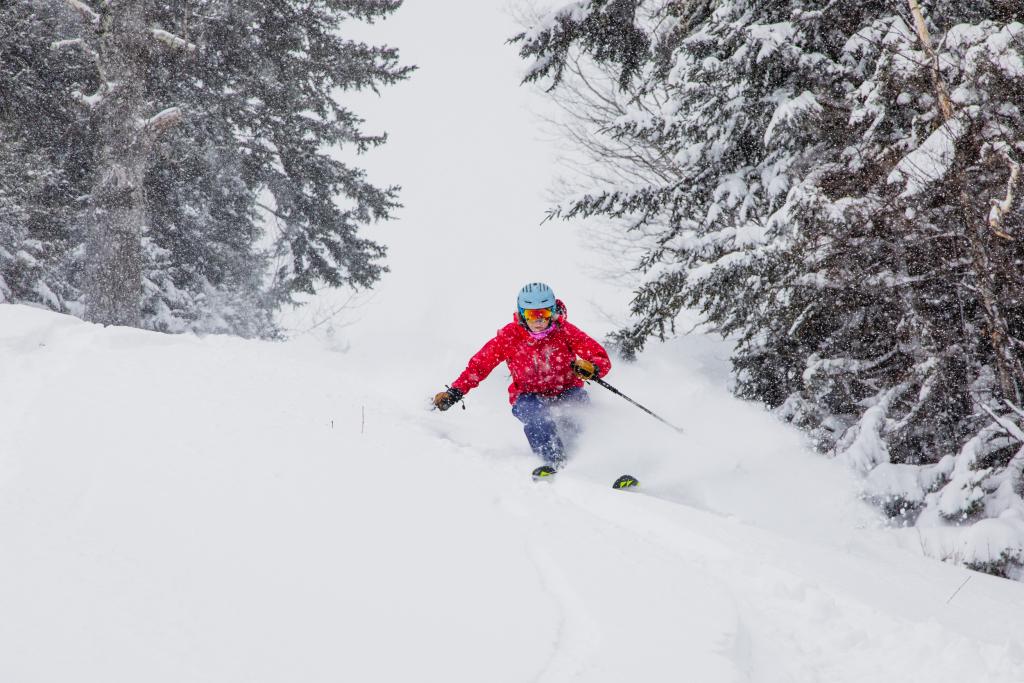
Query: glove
[[446, 399], [584, 369]]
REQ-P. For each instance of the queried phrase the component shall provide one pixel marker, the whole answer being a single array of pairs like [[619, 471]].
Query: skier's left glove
[[584, 369], [446, 399]]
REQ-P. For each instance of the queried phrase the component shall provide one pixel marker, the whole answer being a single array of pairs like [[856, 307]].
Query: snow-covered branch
[[76, 43], [90, 15], [1000, 207], [931, 160], [1007, 424], [271, 211], [808, 310], [61, 44], [172, 40], [165, 119], [97, 97]]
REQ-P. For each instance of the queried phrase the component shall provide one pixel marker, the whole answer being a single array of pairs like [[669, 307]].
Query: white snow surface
[[182, 509]]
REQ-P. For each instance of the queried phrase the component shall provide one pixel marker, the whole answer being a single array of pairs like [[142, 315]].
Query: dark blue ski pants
[[548, 421]]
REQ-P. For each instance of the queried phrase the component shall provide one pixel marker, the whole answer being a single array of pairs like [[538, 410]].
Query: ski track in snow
[[175, 509], [575, 638]]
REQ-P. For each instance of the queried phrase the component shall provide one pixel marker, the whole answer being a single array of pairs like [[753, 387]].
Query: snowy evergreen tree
[[842, 196], [44, 158], [941, 136], [216, 197]]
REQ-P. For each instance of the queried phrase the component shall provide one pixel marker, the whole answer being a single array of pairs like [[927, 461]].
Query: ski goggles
[[531, 314]]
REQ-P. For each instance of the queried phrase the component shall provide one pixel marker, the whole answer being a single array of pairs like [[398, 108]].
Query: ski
[[547, 472], [544, 472], [626, 481]]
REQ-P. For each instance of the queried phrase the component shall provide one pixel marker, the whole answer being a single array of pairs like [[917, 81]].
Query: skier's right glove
[[446, 399], [584, 369]]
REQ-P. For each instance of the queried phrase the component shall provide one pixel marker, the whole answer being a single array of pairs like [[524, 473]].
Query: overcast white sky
[[467, 147]]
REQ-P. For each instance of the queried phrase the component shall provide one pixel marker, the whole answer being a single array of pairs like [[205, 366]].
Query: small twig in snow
[[958, 589], [921, 542]]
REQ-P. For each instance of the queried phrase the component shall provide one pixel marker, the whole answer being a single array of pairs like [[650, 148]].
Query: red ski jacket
[[538, 366]]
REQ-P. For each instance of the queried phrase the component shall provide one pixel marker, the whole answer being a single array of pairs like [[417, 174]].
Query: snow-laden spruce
[[170, 165], [837, 188]]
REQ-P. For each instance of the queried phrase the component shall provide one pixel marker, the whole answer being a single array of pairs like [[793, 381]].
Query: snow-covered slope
[[176, 509]]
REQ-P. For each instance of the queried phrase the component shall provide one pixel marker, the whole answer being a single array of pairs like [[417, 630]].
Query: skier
[[548, 358]]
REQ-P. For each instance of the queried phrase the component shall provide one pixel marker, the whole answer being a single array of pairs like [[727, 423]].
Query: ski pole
[[612, 389]]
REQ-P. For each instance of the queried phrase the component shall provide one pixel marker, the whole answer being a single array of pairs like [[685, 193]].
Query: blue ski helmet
[[535, 295]]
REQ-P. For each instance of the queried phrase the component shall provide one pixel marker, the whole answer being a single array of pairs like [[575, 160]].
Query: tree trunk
[[118, 208], [1008, 366], [1009, 369]]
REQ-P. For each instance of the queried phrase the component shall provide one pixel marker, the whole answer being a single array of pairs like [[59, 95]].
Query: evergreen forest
[[836, 186], [169, 165]]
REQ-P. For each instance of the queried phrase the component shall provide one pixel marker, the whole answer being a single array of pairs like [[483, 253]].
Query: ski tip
[[544, 472], [626, 481]]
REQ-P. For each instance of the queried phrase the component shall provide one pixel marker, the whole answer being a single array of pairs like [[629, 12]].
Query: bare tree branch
[[75, 43], [926, 43], [87, 12], [1001, 207], [172, 40], [160, 122]]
